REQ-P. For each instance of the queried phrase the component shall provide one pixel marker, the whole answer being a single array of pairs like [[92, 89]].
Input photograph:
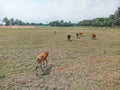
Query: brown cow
[[77, 35], [81, 33], [94, 36], [42, 58]]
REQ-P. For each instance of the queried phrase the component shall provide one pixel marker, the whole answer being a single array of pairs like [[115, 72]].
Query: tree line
[[112, 20], [61, 23], [17, 22]]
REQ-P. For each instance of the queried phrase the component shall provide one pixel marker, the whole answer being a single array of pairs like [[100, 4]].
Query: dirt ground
[[16, 27]]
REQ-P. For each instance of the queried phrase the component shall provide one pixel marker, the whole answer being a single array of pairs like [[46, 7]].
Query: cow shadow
[[48, 70]]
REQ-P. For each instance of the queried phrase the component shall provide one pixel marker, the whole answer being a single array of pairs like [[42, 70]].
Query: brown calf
[[81, 33], [94, 36], [42, 58], [77, 35]]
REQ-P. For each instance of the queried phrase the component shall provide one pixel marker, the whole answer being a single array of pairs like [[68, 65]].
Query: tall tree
[[117, 17], [6, 21]]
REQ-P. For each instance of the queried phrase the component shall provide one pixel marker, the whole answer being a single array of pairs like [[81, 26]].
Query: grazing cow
[[81, 33], [77, 35], [42, 58], [94, 36], [69, 37]]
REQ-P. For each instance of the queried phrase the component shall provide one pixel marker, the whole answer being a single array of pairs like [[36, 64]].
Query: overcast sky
[[48, 10]]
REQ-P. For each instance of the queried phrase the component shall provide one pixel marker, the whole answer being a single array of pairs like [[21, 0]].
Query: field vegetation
[[82, 64]]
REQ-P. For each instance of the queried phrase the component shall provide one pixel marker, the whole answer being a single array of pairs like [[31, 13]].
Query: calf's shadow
[[48, 70]]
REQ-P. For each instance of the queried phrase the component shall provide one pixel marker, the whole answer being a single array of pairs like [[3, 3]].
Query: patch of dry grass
[[82, 64]]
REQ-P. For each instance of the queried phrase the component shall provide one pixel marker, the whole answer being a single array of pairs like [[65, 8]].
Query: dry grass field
[[82, 64]]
